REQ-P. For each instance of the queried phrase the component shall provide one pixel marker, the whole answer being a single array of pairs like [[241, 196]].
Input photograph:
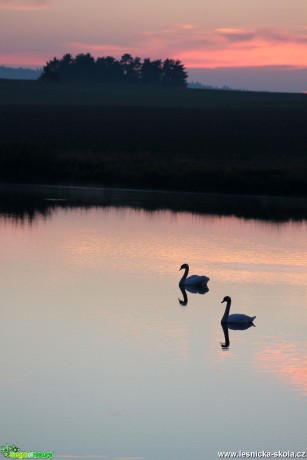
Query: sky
[[221, 39]]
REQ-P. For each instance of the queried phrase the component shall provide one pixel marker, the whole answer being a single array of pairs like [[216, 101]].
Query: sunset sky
[[203, 34]]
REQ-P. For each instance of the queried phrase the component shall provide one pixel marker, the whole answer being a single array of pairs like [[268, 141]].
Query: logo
[[15, 452]]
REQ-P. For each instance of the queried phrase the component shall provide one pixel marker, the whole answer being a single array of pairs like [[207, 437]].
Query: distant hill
[[20, 73], [197, 85]]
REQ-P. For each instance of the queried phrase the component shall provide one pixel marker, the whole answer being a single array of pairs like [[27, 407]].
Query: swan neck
[[184, 276], [227, 310]]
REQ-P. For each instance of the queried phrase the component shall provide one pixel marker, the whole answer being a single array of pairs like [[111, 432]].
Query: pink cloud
[[223, 47], [194, 46], [228, 47], [236, 35]]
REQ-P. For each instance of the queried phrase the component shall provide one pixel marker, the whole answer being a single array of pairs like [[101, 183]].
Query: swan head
[[226, 299], [184, 267]]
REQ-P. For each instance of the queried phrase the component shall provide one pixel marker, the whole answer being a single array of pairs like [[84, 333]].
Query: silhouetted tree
[[131, 69], [151, 72], [65, 67], [174, 73], [128, 70], [51, 70], [109, 70], [83, 68]]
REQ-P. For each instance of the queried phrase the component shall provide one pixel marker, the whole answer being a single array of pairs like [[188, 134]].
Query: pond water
[[100, 359]]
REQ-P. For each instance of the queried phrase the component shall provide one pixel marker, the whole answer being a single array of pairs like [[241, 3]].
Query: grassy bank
[[193, 140]]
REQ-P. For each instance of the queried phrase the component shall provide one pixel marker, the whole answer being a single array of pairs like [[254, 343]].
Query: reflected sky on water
[[99, 357]]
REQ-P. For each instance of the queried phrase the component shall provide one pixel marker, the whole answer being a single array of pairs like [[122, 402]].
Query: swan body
[[236, 318], [196, 289], [193, 280], [239, 326]]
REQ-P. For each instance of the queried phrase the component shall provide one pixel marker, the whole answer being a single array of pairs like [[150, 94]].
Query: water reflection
[[29, 202], [287, 361], [185, 300], [99, 284], [234, 327], [192, 290], [226, 344]]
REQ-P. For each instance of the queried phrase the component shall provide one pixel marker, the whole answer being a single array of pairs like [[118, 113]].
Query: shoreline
[[263, 207], [94, 188]]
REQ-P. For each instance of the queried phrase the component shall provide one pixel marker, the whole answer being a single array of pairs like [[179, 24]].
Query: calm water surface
[[100, 359]]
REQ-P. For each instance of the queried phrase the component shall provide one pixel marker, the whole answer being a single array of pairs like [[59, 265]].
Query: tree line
[[129, 70]]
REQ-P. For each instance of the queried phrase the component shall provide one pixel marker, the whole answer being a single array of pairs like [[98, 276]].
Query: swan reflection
[[234, 327], [192, 290]]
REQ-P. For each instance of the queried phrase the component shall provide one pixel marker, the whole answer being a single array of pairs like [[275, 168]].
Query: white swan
[[194, 280], [238, 318]]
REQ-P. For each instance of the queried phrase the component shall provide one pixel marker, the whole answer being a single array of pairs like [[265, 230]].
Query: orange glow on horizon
[[192, 60], [293, 55], [23, 60]]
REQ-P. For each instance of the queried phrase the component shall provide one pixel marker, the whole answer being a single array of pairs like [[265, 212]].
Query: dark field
[[193, 140]]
